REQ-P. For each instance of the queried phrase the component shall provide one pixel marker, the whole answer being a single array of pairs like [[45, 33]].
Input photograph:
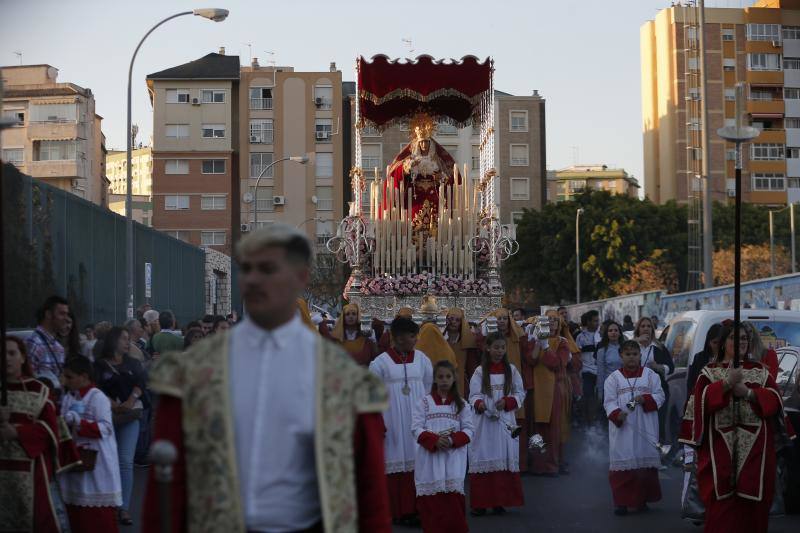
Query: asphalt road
[[580, 502]]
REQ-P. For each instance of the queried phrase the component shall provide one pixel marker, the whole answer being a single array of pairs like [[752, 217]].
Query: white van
[[686, 334]]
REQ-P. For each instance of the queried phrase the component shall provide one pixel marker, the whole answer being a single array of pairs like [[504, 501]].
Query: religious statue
[[418, 170]]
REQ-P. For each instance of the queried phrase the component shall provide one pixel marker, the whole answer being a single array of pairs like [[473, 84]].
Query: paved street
[[577, 503]]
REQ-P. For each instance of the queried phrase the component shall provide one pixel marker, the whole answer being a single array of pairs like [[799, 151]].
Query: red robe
[[709, 424], [373, 509], [551, 365], [30, 461]]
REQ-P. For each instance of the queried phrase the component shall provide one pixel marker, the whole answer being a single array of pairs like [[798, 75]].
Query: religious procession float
[[432, 230]]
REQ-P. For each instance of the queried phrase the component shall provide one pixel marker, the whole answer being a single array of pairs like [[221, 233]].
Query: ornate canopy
[[391, 91]]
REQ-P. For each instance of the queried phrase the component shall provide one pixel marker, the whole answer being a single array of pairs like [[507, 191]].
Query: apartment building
[[59, 138], [564, 184], [291, 114], [218, 126], [520, 157], [141, 182], [195, 163], [758, 45]]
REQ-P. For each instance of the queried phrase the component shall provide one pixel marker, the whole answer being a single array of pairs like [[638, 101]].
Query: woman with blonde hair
[[655, 357], [347, 332]]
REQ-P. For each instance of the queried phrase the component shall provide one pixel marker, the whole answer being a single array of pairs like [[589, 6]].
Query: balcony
[[793, 137], [765, 77], [791, 47], [56, 130], [261, 137], [324, 204], [791, 77], [792, 108], [261, 103], [765, 107], [793, 167], [68, 168], [776, 136], [369, 163]]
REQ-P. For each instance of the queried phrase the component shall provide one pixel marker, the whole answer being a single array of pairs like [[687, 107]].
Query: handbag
[[88, 460], [122, 415]]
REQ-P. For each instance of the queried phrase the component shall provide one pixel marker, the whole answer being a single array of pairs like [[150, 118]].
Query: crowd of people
[[291, 421], [81, 408]]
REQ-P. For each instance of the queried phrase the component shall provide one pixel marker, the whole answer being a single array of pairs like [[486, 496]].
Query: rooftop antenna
[[250, 50], [18, 53], [408, 42]]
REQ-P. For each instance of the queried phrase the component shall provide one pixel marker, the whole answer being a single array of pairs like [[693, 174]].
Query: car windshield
[[679, 341], [788, 362]]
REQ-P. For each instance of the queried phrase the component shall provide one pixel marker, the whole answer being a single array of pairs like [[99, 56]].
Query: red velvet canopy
[[389, 91]]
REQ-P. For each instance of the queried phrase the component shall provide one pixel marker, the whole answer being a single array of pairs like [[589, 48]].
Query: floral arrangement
[[424, 283]]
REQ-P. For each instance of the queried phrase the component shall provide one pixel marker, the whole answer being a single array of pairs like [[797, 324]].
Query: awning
[[451, 91], [767, 115]]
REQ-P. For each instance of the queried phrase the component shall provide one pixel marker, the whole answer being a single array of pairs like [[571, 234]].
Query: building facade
[[564, 184], [757, 45], [59, 138], [141, 182], [520, 158]]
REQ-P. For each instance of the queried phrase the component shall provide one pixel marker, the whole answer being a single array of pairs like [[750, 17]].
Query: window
[[323, 129], [178, 96], [691, 33], [260, 162], [791, 93], [365, 196], [15, 114], [516, 216], [766, 152], [694, 93], [519, 121], [212, 203], [793, 183], [731, 122], [263, 198], [213, 166], [691, 63], [182, 235], [212, 96], [324, 198], [791, 122], [443, 128], [764, 61], [211, 131], [212, 238], [15, 156], [261, 131], [791, 63], [323, 165], [761, 94], [176, 166], [729, 64], [177, 131], [520, 189], [175, 202], [793, 153], [260, 98], [791, 32], [54, 113], [323, 96], [370, 131], [54, 150], [764, 32], [768, 182], [728, 34], [519, 155], [730, 155], [476, 157]]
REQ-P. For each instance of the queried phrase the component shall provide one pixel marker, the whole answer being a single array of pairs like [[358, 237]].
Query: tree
[[654, 273], [755, 263]]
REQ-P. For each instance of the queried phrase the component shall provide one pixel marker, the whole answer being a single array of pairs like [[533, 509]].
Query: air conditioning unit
[[318, 102], [245, 228], [777, 44], [278, 200], [731, 193], [195, 101], [255, 139], [322, 135]]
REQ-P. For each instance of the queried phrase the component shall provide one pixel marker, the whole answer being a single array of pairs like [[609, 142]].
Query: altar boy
[[633, 395]]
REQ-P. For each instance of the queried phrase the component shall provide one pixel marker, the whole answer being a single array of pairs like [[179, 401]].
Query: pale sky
[[582, 55]]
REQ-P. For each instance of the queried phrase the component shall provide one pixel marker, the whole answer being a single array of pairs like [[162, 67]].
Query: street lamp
[[297, 159], [217, 15], [578, 214]]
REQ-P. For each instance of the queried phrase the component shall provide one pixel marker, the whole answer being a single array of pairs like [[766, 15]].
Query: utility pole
[[708, 267]]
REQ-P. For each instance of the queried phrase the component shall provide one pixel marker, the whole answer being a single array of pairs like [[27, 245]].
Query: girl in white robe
[[632, 396], [442, 426], [408, 375], [92, 497], [496, 391]]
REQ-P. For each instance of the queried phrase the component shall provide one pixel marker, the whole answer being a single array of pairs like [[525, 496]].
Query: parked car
[[789, 386]]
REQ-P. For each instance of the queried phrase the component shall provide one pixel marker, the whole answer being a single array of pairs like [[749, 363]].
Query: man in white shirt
[[587, 341]]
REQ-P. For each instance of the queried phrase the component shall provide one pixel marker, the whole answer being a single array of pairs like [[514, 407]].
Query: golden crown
[[421, 126]]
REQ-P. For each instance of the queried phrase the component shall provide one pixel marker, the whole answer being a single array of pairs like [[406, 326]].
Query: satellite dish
[[314, 200], [247, 198], [52, 73]]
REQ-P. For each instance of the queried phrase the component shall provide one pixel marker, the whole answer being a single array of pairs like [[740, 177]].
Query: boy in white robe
[[632, 396]]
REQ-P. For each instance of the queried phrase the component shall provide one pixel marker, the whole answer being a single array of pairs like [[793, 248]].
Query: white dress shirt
[[273, 395]]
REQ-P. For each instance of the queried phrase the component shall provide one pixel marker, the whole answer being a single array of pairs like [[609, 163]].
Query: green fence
[[57, 243]]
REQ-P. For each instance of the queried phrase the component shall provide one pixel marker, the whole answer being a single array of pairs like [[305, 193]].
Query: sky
[[581, 55]]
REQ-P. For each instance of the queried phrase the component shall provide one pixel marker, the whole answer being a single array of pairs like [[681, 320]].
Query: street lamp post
[[297, 159], [217, 15], [578, 214]]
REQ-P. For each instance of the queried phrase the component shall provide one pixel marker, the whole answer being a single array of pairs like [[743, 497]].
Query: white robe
[[442, 470], [400, 446], [493, 449], [632, 445], [100, 487]]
